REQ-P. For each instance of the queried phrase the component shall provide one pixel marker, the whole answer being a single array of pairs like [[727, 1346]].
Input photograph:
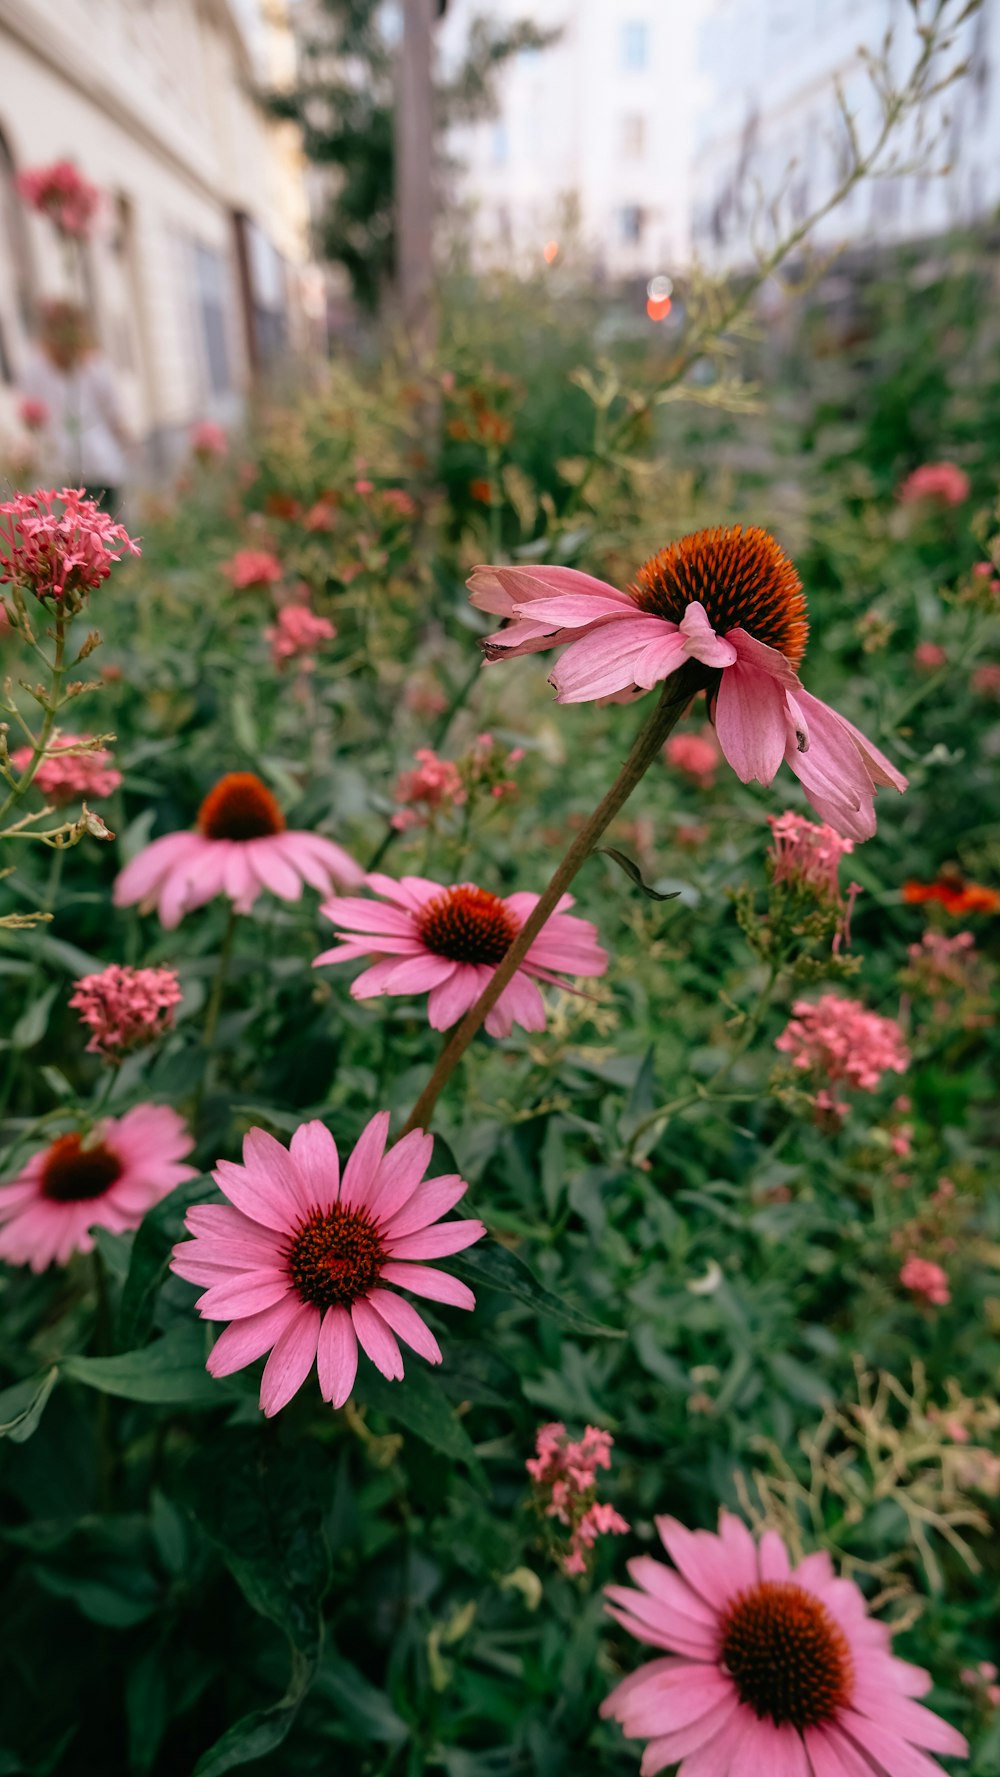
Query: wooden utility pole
[[415, 172]]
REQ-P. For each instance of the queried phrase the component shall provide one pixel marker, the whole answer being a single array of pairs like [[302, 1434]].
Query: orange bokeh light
[[658, 307]]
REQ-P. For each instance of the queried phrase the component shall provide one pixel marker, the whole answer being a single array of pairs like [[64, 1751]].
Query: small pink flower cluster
[[983, 1680], [208, 440], [59, 545], [295, 635], [806, 854], [944, 482], [33, 414], [698, 756], [566, 1471], [125, 1008], [951, 972], [65, 775], [252, 568], [984, 570], [929, 656], [61, 192], [985, 681], [399, 501], [926, 1279], [436, 783], [839, 1039], [486, 763]]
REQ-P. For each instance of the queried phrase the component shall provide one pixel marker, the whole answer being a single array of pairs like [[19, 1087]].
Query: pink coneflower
[[125, 1009], [696, 755], [839, 1039], [296, 634], [924, 1278], [105, 1179], [209, 440], [300, 1263], [728, 599], [943, 482], [929, 656], [767, 1668], [67, 775], [806, 854], [252, 569], [33, 414], [61, 192], [62, 551], [239, 847], [447, 943]]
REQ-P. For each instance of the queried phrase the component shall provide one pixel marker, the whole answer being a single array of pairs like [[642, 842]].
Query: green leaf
[[495, 1267], [261, 1731], [359, 1705], [22, 1406], [34, 1022], [420, 1404], [158, 1232], [634, 874], [169, 1372]]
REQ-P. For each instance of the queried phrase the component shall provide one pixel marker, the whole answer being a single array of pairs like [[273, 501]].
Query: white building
[[768, 123], [193, 275], [592, 140]]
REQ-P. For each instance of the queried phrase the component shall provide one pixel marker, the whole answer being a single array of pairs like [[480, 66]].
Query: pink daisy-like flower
[[300, 1259], [239, 847], [767, 1668], [295, 635], [448, 942], [125, 1009], [65, 775], [252, 569], [944, 482], [730, 600], [61, 192], [59, 545], [108, 1178]]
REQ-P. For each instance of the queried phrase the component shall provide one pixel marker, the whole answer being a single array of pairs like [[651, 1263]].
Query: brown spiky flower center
[[75, 1174], [468, 925], [240, 807], [788, 1659], [740, 575], [335, 1257]]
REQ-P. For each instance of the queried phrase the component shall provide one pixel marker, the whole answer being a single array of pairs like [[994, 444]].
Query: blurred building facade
[[592, 139], [768, 124], [194, 277]]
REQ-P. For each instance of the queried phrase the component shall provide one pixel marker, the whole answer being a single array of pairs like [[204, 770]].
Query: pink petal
[[733, 1751], [662, 1583], [238, 879], [399, 1174], [361, 1168], [648, 1619], [404, 1320], [337, 1356], [317, 1162], [705, 1562], [778, 1752], [662, 657], [271, 870], [271, 1168], [773, 1557], [247, 1340], [371, 982], [615, 1705], [436, 1242], [700, 640], [676, 1699], [141, 877], [291, 1360], [750, 722], [417, 974], [427, 1281], [891, 1750], [256, 1197], [520, 1003], [574, 610], [666, 1749], [450, 1001], [831, 1755], [356, 915], [507, 587], [376, 1340], [427, 1203], [914, 1723], [602, 662], [246, 1293]]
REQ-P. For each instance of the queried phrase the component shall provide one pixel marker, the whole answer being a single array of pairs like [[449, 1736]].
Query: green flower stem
[[677, 693], [52, 704]]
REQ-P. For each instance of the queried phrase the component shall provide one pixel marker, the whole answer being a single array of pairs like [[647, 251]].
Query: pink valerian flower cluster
[[696, 755], [806, 854], [33, 414], [943, 482], [125, 1009], [59, 545], [839, 1040], [565, 1475], [924, 1278], [252, 569], [61, 192], [950, 972], [208, 440], [295, 635], [435, 784], [985, 681], [929, 656], [71, 770], [982, 1679]]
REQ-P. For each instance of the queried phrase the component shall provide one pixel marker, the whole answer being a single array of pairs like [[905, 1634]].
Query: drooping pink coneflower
[[766, 1667], [301, 1260], [240, 846], [447, 942], [730, 600], [945, 483], [252, 569], [838, 1039], [296, 634], [125, 1009], [59, 545], [61, 192], [66, 775], [105, 1179]]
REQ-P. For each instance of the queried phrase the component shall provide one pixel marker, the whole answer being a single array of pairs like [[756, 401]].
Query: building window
[[633, 136], [500, 145], [635, 46], [630, 222], [210, 296]]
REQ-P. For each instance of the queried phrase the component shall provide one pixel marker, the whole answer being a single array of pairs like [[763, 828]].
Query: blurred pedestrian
[[83, 439]]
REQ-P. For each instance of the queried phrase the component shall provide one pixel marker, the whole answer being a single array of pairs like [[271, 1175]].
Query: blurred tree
[[344, 104]]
